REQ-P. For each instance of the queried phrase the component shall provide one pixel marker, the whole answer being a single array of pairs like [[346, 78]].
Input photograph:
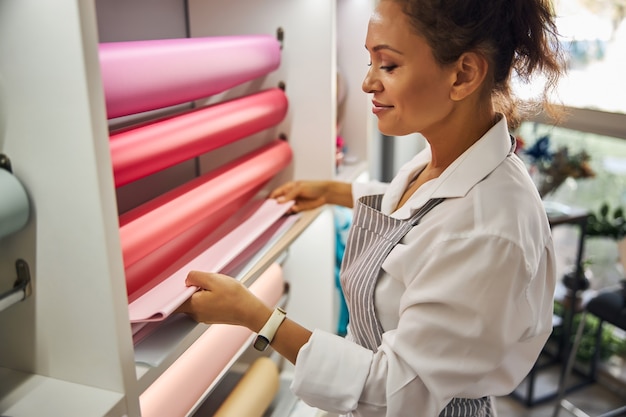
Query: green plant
[[607, 223], [610, 343]]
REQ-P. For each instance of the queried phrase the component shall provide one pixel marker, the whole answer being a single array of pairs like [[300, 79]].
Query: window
[[593, 35], [593, 38]]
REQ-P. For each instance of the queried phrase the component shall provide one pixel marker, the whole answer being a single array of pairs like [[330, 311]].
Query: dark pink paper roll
[[138, 76], [151, 225], [147, 149]]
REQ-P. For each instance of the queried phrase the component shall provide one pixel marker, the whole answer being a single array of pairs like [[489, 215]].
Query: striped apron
[[372, 236]]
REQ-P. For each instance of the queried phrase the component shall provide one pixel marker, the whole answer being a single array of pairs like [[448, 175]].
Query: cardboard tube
[[139, 76], [14, 206], [147, 149], [254, 392]]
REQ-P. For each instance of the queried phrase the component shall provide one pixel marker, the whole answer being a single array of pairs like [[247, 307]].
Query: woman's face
[[410, 89]]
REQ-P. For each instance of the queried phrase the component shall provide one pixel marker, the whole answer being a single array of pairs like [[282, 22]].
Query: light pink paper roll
[[163, 299], [151, 225], [198, 369], [138, 76], [144, 150]]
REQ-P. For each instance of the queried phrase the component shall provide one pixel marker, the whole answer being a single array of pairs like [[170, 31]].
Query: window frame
[[590, 121]]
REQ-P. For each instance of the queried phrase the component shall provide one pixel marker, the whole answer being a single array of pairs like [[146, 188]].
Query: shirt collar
[[464, 173]]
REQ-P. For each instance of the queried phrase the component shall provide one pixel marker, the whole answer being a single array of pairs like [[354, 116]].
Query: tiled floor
[[594, 399]]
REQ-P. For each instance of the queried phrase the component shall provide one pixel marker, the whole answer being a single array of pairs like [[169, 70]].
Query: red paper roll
[[163, 299], [151, 225], [138, 76], [147, 149]]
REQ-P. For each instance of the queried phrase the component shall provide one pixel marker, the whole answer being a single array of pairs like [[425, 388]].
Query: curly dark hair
[[517, 35]]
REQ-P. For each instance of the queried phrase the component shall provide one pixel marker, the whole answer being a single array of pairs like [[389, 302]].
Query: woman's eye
[[388, 68]]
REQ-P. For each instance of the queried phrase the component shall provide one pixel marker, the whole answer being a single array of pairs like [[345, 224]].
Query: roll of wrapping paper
[[155, 267], [14, 205], [138, 76], [153, 224], [254, 392], [150, 148], [181, 386], [159, 302]]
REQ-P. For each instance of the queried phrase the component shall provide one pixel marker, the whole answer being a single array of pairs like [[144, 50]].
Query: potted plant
[[607, 223]]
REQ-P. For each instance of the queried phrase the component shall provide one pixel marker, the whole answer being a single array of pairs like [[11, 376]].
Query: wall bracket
[[22, 288]]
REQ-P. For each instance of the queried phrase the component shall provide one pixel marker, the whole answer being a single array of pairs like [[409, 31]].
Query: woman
[[449, 269]]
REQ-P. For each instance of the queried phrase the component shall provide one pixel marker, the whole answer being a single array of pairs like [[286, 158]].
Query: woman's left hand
[[223, 299]]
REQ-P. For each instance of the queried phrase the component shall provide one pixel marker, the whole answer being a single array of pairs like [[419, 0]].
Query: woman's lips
[[379, 107]]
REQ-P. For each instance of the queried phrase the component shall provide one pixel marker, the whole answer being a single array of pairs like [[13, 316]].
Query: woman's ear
[[471, 72]]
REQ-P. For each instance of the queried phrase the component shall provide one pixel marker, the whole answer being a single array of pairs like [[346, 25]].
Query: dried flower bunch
[[556, 167]]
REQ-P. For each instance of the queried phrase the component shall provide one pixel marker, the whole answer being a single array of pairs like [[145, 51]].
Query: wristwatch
[[266, 334]]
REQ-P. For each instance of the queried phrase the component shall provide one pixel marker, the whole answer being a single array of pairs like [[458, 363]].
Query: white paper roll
[[14, 206]]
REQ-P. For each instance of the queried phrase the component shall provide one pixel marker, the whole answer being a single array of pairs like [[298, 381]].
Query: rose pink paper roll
[[138, 76], [153, 224], [184, 383], [150, 148]]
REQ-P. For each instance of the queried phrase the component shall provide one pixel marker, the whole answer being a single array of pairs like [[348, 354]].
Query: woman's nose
[[370, 84]]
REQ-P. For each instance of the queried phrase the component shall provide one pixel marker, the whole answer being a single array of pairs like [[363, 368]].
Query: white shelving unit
[[67, 350]]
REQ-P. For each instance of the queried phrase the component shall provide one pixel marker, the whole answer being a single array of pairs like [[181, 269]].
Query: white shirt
[[465, 299]]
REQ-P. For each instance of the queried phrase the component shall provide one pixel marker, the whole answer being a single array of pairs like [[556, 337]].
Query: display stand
[[68, 348]]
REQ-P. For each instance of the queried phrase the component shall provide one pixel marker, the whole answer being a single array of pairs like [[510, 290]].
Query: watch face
[[261, 343]]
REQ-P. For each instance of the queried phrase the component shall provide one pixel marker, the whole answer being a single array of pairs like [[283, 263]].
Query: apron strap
[[430, 204]]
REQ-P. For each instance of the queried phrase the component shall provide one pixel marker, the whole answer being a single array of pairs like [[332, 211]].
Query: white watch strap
[[271, 325]]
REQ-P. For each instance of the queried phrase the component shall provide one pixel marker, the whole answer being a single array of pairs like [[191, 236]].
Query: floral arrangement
[[555, 167]]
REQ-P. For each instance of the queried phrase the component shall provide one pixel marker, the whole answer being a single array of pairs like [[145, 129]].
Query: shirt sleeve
[[457, 328]]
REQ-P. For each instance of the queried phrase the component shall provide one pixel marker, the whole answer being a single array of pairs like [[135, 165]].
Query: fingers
[[194, 307], [199, 279], [185, 307], [220, 299], [306, 195], [281, 193], [278, 191], [304, 205]]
